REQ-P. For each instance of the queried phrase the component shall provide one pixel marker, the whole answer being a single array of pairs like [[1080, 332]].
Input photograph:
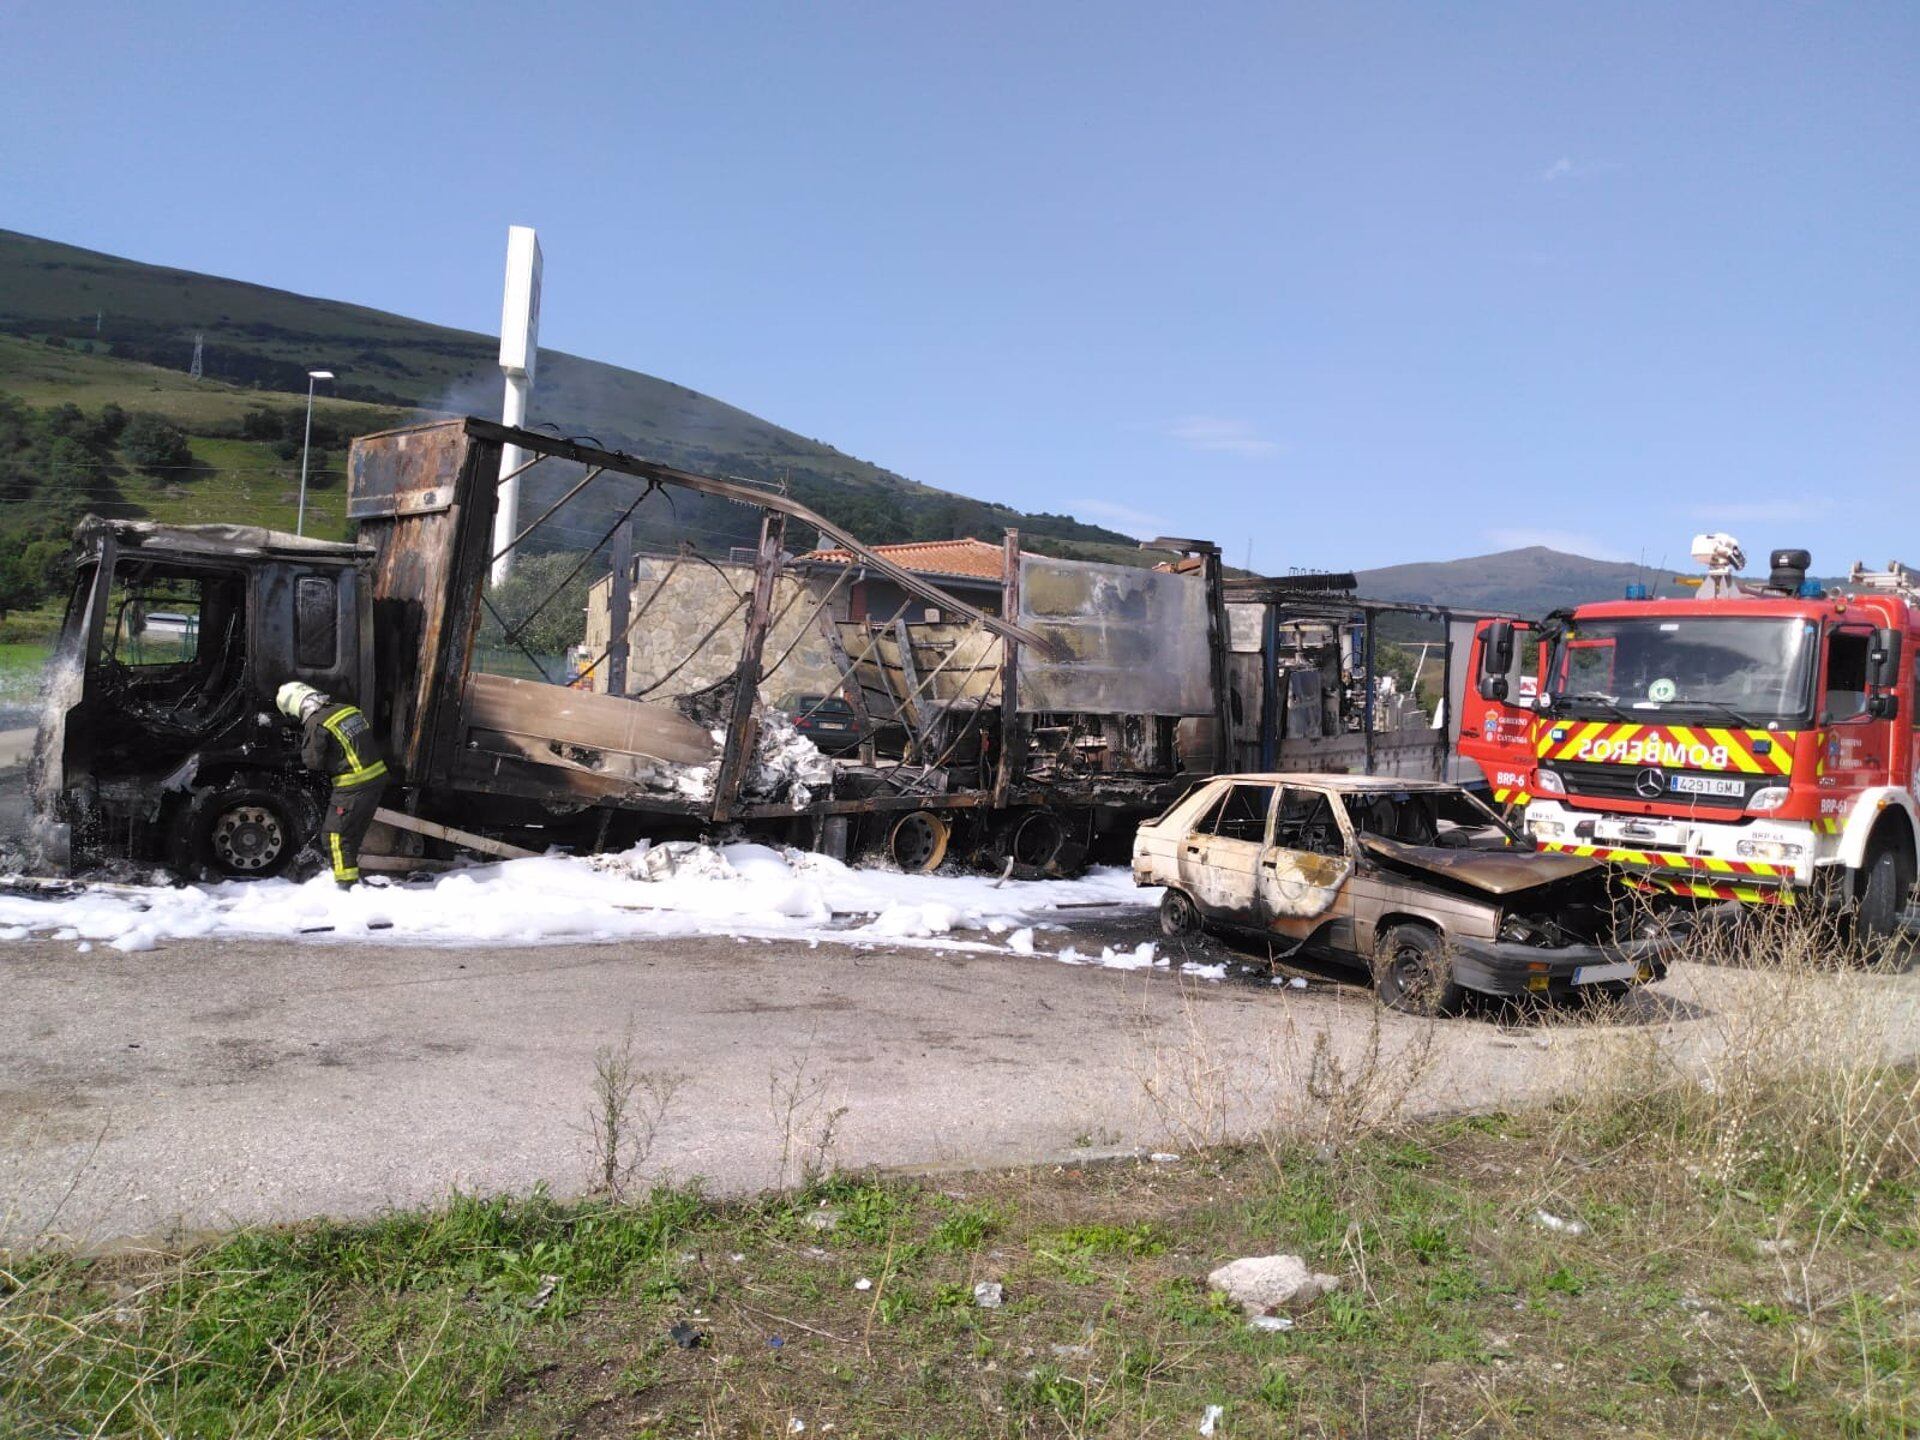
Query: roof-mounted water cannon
[[1720, 555], [1788, 574]]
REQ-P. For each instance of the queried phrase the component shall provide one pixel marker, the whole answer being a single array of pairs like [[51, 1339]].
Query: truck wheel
[[1412, 974], [1885, 882], [245, 832], [1179, 916], [1042, 846], [918, 842]]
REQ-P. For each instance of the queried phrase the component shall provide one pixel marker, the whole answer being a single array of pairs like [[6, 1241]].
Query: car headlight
[[1769, 850], [1546, 829], [1548, 782], [1770, 798]]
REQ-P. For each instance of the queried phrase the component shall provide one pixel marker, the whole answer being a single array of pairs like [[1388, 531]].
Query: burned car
[[1416, 880]]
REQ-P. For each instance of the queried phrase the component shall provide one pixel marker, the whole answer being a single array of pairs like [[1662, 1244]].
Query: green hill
[[90, 329], [1529, 581]]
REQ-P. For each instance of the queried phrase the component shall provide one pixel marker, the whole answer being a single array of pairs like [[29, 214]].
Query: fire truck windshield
[[1745, 670]]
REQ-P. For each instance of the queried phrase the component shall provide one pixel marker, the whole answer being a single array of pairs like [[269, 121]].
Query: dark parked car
[[827, 720]]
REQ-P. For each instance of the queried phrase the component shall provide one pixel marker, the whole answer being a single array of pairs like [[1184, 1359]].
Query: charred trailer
[[159, 742], [1022, 733]]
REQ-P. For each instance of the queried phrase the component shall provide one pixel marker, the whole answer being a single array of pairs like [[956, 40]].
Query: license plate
[[1707, 785], [1600, 974]]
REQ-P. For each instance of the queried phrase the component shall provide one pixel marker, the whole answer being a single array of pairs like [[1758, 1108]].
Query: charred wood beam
[[762, 499], [619, 598], [1011, 758], [466, 839], [909, 680], [743, 729], [1218, 643]]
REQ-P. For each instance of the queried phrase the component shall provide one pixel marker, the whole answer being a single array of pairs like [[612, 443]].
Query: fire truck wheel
[[1885, 882], [1179, 916], [244, 831], [918, 842], [1411, 972]]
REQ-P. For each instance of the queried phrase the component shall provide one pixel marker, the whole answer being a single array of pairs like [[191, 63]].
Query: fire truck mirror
[[1883, 660], [1496, 658]]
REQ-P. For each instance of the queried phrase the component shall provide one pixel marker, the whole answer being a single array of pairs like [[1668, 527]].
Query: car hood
[[1497, 872]]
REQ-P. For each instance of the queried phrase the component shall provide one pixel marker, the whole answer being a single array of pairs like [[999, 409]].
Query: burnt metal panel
[[424, 497], [414, 471], [1133, 642]]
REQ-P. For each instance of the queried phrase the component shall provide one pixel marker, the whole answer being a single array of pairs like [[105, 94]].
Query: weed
[[807, 1121], [1276, 1390], [966, 1228], [623, 1121]]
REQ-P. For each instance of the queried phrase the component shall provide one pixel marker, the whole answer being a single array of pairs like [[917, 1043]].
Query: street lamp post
[[306, 446]]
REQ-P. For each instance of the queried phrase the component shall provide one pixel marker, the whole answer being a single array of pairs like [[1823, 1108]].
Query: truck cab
[[160, 741], [1752, 743]]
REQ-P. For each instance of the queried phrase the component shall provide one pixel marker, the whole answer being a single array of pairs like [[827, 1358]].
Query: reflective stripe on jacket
[[339, 743]]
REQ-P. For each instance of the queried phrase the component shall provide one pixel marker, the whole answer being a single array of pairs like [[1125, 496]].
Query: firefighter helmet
[[297, 701]]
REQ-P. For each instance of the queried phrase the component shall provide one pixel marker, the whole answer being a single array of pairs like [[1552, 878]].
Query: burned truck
[[161, 744]]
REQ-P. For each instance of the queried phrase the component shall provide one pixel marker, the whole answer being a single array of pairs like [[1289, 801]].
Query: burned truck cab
[[160, 741]]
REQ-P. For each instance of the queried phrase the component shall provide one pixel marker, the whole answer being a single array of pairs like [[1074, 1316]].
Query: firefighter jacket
[[338, 742]]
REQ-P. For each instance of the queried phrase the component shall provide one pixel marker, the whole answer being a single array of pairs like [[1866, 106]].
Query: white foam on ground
[[648, 892]]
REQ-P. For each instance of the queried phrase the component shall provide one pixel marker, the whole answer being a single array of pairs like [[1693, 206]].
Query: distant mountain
[[1528, 582], [264, 339]]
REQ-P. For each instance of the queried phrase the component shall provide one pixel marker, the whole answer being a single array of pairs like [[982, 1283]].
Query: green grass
[[1456, 1314], [44, 376]]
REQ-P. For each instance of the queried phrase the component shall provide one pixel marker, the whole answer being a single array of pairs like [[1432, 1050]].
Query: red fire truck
[[1751, 742]]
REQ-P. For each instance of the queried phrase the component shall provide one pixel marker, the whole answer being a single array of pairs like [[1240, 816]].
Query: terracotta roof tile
[[968, 556]]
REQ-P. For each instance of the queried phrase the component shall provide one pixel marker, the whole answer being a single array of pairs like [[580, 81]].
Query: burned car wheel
[[245, 832], [1179, 917], [1412, 973]]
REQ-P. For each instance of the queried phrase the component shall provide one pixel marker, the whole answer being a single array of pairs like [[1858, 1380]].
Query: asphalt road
[[208, 1084]]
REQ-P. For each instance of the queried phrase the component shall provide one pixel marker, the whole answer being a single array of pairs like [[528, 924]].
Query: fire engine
[[1751, 742]]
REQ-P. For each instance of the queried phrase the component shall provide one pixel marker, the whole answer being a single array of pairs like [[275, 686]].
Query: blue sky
[[1346, 284]]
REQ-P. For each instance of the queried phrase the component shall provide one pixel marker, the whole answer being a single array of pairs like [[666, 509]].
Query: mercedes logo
[[1650, 783]]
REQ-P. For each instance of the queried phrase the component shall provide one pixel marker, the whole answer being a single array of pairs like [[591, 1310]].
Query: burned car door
[[1219, 856], [1304, 870]]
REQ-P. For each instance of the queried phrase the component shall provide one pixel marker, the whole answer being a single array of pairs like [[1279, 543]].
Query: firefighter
[[337, 741]]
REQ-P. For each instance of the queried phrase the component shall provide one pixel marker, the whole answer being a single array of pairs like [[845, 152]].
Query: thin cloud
[[1141, 524], [1567, 168], [1217, 435], [1567, 542]]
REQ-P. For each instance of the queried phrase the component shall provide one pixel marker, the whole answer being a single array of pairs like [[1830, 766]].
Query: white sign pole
[[519, 348]]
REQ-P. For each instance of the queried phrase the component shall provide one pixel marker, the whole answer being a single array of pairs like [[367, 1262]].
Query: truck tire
[[1883, 887], [918, 842], [1179, 916], [246, 831], [1411, 972]]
